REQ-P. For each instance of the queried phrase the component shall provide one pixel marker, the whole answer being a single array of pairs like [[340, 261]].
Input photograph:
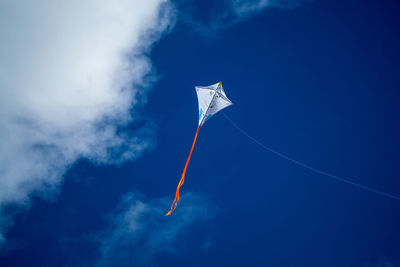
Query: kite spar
[[211, 100]]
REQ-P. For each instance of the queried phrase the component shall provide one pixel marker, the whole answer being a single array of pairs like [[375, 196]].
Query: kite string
[[182, 180], [344, 180]]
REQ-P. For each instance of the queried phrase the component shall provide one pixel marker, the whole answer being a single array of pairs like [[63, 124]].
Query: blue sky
[[315, 80]]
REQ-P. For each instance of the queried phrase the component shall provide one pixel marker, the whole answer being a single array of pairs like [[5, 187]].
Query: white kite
[[211, 100]]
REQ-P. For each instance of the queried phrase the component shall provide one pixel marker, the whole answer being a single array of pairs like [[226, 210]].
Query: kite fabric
[[211, 99]]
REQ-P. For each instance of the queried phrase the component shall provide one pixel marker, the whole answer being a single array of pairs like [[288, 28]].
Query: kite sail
[[211, 100]]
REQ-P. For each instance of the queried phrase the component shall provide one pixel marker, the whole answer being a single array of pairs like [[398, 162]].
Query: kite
[[211, 100]]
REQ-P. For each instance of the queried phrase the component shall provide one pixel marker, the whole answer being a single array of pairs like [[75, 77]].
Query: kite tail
[[176, 199]]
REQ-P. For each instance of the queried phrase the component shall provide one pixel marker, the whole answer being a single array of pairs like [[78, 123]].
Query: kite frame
[[212, 99]]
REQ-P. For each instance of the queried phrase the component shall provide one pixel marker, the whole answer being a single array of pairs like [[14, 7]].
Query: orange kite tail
[[176, 199]]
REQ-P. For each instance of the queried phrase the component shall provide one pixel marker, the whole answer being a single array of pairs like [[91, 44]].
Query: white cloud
[[71, 72], [138, 229]]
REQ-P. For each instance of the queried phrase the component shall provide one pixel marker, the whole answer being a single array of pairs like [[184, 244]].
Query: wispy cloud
[[71, 76], [244, 8], [384, 262], [138, 229], [229, 12]]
